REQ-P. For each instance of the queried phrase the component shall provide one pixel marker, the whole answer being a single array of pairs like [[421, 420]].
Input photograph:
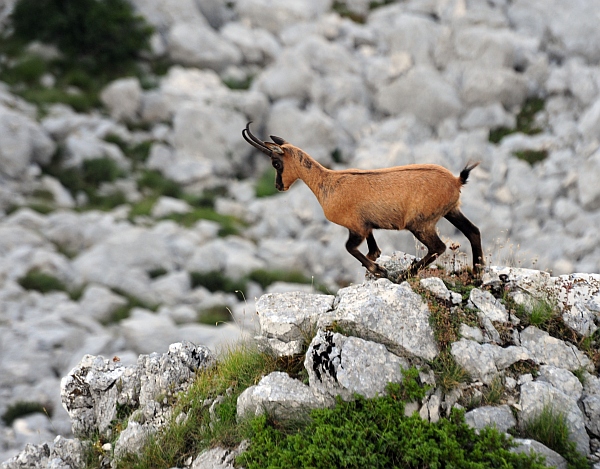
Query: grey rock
[[500, 417], [132, 439], [61, 453], [198, 46], [344, 366], [387, 313], [538, 394], [489, 307], [485, 361], [257, 45], [491, 116], [147, 332], [471, 333], [168, 205], [23, 142], [291, 317], [422, 92], [437, 286], [575, 293], [548, 350], [562, 380], [100, 302], [219, 458], [591, 410], [483, 86], [275, 18], [280, 397], [123, 98], [92, 391], [553, 459]]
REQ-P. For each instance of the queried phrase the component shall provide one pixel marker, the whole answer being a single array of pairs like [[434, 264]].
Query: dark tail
[[464, 174]]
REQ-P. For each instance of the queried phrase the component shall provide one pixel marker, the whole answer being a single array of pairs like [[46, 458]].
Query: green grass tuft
[[549, 427], [23, 408], [41, 281]]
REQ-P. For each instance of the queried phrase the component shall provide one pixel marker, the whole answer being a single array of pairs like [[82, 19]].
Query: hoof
[[379, 272]]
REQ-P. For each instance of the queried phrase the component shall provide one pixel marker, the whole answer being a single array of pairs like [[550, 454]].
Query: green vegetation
[[21, 409], [98, 41], [96, 33], [525, 124], [158, 184], [532, 156], [215, 315], [238, 369], [41, 281], [525, 121], [549, 427], [265, 185], [123, 312], [541, 313], [375, 433]]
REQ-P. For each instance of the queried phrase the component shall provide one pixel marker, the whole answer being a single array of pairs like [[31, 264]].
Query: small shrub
[[374, 433], [97, 33], [41, 281], [549, 427], [161, 185], [216, 280], [21, 409], [98, 170], [28, 70], [158, 272], [215, 315], [532, 156], [525, 121]]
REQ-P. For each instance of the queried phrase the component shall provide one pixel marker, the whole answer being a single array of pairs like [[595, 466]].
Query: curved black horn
[[255, 142]]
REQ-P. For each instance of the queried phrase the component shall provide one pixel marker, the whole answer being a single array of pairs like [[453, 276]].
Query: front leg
[[354, 240]]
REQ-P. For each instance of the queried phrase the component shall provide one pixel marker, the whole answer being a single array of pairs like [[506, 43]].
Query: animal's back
[[392, 198]]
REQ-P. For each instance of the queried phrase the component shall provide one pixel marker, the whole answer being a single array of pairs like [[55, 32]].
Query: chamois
[[412, 197]]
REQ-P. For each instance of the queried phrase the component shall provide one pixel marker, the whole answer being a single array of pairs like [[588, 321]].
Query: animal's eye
[[277, 165]]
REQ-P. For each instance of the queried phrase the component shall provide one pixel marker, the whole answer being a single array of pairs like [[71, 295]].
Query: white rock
[[99, 302], [168, 205], [257, 45], [22, 142], [122, 97], [147, 332], [484, 86], [422, 92], [191, 44], [588, 190], [275, 16]]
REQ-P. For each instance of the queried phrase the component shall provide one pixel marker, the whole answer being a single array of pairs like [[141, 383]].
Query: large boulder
[[123, 98], [388, 313]]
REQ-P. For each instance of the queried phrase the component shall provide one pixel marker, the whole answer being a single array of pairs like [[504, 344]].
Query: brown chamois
[[412, 197]]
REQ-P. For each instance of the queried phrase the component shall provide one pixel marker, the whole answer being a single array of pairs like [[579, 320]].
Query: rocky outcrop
[[364, 352]]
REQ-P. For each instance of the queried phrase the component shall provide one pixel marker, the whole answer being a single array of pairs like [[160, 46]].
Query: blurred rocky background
[[133, 215]]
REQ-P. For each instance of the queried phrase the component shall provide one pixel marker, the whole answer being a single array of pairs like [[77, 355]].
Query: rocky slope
[[385, 327], [413, 81]]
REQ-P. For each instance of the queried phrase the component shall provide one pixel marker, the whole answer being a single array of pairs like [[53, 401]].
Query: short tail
[[464, 174]]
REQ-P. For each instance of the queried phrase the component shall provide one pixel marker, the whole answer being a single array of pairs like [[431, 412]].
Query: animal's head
[[284, 157]]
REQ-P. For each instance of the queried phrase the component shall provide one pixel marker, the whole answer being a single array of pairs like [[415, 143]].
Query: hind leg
[[435, 247], [457, 218], [374, 251]]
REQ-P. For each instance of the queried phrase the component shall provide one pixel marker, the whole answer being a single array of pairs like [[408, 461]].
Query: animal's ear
[[274, 148], [278, 140]]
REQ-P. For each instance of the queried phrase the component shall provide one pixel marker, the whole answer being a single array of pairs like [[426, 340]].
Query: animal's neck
[[314, 175]]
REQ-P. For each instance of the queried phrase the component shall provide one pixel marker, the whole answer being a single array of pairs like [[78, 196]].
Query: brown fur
[[412, 197]]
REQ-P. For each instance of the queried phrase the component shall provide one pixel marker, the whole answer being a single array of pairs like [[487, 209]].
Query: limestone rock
[[553, 459], [280, 396], [500, 417], [387, 313], [122, 97], [344, 366]]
